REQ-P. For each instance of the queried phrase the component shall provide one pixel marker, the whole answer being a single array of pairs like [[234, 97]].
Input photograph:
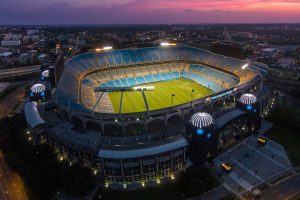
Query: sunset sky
[[148, 11]]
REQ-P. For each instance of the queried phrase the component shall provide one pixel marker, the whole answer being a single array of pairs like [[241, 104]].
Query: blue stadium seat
[[124, 82], [118, 83], [111, 84], [117, 57], [141, 58], [140, 80], [125, 56], [149, 79], [164, 76], [131, 81], [132, 56], [157, 77]]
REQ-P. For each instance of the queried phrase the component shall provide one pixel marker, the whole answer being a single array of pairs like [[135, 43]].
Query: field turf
[[160, 97]]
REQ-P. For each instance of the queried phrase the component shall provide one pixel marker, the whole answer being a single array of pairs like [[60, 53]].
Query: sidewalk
[[214, 194]]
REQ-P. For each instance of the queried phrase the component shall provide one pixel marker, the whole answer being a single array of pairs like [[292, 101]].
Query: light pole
[[192, 93], [208, 90], [260, 85], [192, 96], [173, 95]]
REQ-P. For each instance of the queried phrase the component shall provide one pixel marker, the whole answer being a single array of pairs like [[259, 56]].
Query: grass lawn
[[289, 139], [161, 96]]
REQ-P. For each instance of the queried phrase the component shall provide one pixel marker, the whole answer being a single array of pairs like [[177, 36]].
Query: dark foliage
[[38, 165]]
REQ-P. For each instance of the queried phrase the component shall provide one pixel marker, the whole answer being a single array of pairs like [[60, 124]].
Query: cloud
[[147, 11]]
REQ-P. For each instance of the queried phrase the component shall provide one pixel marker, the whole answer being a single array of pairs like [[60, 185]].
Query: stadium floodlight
[[143, 88], [245, 66], [107, 48], [104, 48], [167, 44]]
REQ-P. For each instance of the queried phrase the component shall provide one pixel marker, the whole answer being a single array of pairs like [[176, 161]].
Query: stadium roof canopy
[[32, 114], [248, 99], [229, 116], [201, 120], [37, 88], [175, 143]]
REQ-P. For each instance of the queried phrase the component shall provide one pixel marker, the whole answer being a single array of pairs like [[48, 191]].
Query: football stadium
[[138, 117]]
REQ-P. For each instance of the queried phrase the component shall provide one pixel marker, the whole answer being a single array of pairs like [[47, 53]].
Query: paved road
[[11, 185], [288, 189], [10, 101], [19, 71], [216, 193]]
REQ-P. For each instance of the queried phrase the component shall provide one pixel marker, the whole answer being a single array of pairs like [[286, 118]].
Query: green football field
[[160, 97]]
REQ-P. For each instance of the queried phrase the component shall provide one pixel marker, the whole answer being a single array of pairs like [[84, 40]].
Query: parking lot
[[251, 164]]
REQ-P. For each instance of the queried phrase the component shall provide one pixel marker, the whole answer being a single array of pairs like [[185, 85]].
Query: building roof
[[5, 54], [201, 120], [42, 56], [32, 114], [229, 116], [248, 99], [170, 144]]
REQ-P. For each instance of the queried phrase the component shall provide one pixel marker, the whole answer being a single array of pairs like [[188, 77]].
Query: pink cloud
[[149, 11]]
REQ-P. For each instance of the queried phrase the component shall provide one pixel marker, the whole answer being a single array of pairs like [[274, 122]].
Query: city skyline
[[148, 12]]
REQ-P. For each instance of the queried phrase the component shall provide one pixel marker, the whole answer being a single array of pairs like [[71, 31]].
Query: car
[[226, 167], [261, 141]]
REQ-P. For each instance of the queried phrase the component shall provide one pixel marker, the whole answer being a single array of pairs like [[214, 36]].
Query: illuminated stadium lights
[[167, 44], [248, 99], [107, 48], [245, 66], [123, 89], [201, 120], [143, 88], [104, 48], [38, 88]]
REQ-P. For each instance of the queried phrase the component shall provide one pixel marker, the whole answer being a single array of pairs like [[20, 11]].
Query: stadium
[[138, 117]]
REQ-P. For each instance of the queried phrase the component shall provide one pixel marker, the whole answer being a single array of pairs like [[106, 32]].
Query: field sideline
[[161, 96]]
